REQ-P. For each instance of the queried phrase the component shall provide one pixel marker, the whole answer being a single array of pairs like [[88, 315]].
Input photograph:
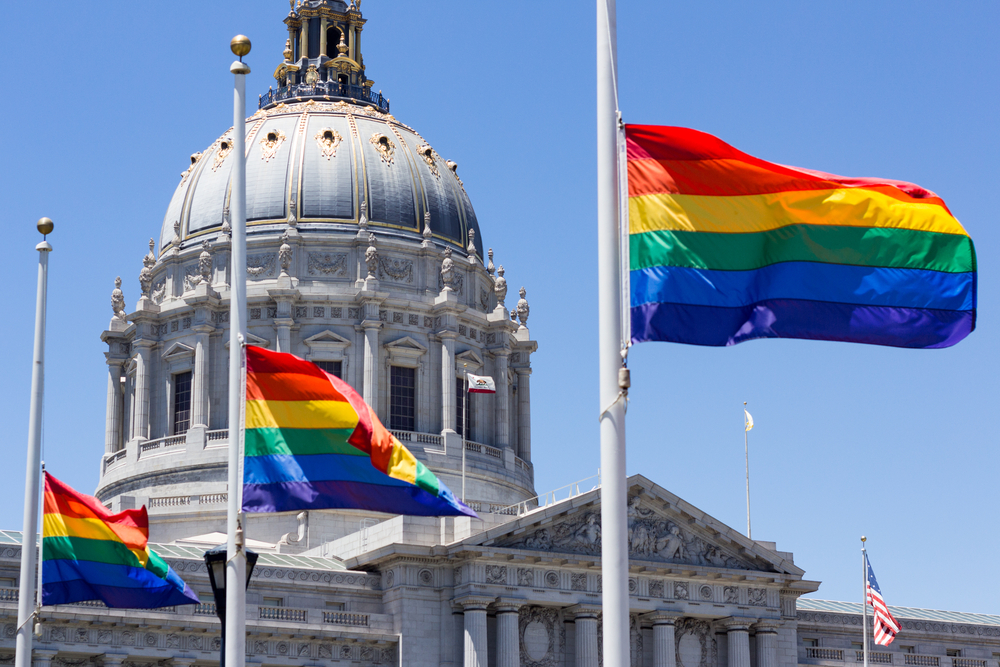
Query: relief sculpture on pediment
[[651, 536]]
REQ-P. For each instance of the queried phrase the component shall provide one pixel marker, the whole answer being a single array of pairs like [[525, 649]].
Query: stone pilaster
[[370, 303], [448, 381], [664, 650], [767, 642], [143, 372], [113, 440], [508, 641], [501, 413], [41, 657], [738, 635], [524, 413], [474, 610], [586, 634], [199, 388]]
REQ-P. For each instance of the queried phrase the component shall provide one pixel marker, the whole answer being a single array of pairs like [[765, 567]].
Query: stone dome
[[323, 165]]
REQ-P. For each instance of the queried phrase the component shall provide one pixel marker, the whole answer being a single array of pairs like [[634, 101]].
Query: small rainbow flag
[[725, 248], [88, 553], [312, 443]]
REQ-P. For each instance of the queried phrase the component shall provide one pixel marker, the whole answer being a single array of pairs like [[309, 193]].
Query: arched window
[[332, 40]]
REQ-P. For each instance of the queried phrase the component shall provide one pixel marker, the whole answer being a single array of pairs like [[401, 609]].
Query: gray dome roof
[[321, 161]]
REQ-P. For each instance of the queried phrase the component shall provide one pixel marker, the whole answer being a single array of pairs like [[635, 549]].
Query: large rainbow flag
[[88, 553], [725, 247], [313, 443]]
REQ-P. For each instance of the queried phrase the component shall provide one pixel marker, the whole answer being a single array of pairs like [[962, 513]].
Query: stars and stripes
[[886, 626]]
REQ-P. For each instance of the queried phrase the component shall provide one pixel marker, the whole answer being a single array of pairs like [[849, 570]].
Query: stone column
[[508, 641], [664, 650], [292, 39], [767, 642], [322, 35], [370, 393], [475, 630], [448, 381], [42, 657], [524, 413], [350, 43], [738, 634], [199, 381], [305, 38], [502, 398], [142, 381], [113, 417], [586, 634]]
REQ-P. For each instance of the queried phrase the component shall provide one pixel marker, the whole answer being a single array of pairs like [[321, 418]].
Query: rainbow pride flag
[[725, 248], [88, 553], [312, 443]]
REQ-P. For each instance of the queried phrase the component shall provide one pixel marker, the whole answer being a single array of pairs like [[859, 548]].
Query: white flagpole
[[29, 533], [613, 375], [465, 426], [864, 599], [746, 452], [236, 566]]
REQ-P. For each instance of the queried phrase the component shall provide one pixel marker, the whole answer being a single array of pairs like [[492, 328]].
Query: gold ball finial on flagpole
[[45, 226], [864, 539], [240, 45]]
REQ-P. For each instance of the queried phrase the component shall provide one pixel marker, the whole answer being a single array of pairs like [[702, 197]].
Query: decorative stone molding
[[542, 637], [327, 264], [701, 632], [397, 270]]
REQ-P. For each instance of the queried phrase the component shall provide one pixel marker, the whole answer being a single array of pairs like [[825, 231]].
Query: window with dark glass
[[463, 409], [332, 367], [402, 398], [182, 402]]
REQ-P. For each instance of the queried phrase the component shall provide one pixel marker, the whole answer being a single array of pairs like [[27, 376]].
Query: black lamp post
[[216, 559]]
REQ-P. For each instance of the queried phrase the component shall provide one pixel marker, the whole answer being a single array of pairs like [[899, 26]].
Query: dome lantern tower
[[322, 56]]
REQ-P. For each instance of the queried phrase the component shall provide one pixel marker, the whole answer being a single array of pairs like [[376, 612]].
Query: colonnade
[[586, 618]]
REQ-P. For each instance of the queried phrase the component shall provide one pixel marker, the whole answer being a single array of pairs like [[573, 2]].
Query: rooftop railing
[[330, 89]]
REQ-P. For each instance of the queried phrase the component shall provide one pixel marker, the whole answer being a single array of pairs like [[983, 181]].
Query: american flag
[[886, 626]]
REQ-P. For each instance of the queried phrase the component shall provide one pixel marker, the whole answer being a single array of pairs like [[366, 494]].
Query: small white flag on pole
[[749, 420], [481, 384]]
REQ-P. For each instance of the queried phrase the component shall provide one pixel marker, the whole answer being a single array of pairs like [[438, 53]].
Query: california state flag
[[481, 384]]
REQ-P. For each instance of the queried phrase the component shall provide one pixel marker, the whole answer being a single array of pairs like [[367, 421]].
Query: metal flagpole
[[613, 375], [29, 533], [236, 565], [746, 452], [465, 426], [864, 599]]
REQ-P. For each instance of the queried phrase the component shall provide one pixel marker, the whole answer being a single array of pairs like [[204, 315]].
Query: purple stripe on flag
[[294, 496], [786, 318]]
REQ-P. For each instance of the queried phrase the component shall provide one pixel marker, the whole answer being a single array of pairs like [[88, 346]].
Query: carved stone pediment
[[661, 527]]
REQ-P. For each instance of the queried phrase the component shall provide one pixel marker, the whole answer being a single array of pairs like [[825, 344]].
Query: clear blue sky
[[105, 102]]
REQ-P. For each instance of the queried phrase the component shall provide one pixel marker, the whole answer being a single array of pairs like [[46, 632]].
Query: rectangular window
[[811, 642], [332, 367], [907, 649], [954, 653], [402, 398], [335, 606], [463, 409], [273, 602], [858, 646], [182, 402], [7, 582]]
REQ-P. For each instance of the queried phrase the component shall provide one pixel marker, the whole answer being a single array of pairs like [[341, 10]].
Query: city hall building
[[365, 256]]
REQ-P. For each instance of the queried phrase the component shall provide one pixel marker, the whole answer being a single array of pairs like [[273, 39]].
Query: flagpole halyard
[[747, 425]]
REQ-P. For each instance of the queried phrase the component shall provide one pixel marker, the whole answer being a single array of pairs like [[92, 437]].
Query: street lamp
[[215, 560]]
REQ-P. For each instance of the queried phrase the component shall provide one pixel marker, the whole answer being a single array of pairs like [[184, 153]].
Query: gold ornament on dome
[[312, 76], [225, 147], [427, 153], [328, 139], [270, 143], [384, 146]]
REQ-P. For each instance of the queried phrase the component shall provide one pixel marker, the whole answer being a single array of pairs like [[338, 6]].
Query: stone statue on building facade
[[447, 271], [500, 287], [146, 275], [118, 301], [371, 257], [205, 263], [522, 308], [285, 255]]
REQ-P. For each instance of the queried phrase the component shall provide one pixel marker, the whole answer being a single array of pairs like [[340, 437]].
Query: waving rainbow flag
[[725, 247], [313, 443], [88, 553]]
